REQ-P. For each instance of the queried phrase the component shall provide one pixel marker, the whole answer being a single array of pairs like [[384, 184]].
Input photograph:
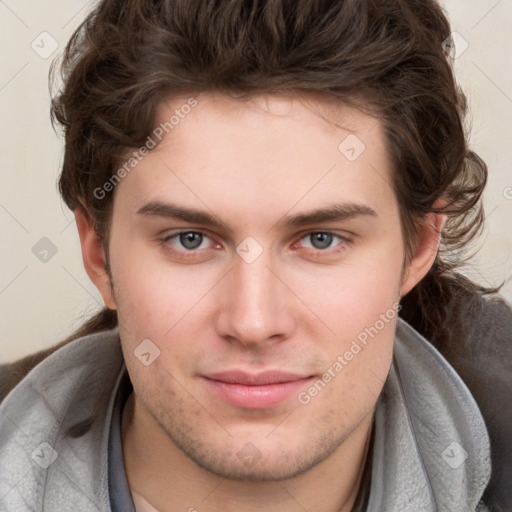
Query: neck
[[169, 480]]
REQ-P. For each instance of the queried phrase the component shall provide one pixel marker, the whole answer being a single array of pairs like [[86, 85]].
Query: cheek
[[350, 385], [152, 295], [358, 359], [352, 296], [359, 304]]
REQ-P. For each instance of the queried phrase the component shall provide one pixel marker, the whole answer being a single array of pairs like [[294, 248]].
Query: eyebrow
[[337, 212]]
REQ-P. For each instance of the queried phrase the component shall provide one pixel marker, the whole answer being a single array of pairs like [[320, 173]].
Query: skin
[[296, 308]]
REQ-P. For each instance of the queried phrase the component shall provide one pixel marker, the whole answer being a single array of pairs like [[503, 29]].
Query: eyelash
[[342, 245]]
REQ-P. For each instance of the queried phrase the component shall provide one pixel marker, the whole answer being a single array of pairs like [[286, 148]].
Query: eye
[[320, 240], [189, 240]]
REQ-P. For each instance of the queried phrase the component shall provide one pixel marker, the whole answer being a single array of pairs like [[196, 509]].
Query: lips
[[255, 391], [260, 379]]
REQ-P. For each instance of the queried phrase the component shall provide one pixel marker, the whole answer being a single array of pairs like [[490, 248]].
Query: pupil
[[321, 240]]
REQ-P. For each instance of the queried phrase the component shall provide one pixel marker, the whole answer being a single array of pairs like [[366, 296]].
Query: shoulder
[[63, 397], [475, 336], [12, 373], [481, 352]]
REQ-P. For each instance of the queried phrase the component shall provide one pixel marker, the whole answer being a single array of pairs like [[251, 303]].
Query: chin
[[271, 463]]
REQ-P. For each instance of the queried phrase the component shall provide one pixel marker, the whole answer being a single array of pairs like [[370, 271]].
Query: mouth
[[255, 391]]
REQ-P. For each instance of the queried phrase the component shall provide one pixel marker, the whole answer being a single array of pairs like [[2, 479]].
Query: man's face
[[263, 368]]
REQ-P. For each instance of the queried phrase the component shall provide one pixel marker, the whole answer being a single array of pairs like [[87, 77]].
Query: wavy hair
[[130, 55]]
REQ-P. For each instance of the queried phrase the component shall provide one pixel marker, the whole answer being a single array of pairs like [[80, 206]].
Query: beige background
[[40, 303]]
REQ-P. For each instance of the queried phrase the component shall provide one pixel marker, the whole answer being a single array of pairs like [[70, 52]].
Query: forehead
[[312, 112], [263, 151]]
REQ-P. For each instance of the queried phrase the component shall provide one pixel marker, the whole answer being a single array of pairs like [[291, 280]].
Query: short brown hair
[[130, 55]]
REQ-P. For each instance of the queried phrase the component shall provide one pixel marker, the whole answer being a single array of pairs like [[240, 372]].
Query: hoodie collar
[[54, 429], [431, 447]]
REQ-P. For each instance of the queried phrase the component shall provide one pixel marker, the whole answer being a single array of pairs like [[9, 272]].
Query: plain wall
[[43, 301]]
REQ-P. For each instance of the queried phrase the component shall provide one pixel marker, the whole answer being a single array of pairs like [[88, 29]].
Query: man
[[259, 189]]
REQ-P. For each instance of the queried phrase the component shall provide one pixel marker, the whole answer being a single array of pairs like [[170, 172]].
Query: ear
[[93, 255], [428, 238]]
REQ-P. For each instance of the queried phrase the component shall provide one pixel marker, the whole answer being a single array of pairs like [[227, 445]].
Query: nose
[[255, 306]]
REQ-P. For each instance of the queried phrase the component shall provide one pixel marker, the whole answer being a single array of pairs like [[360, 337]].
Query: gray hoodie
[[431, 448]]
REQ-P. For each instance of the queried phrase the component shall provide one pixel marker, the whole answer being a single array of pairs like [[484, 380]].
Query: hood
[[432, 449]]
